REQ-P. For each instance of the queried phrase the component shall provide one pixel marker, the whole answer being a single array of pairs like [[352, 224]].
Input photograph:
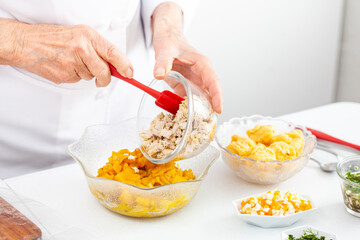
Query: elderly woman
[[48, 48]]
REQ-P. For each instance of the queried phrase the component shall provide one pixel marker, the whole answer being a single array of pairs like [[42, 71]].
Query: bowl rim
[[190, 118], [305, 196], [295, 126], [287, 232], [199, 179], [347, 159]]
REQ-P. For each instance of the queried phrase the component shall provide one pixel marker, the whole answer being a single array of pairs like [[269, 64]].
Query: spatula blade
[[169, 101]]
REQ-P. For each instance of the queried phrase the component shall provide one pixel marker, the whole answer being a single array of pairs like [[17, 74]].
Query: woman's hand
[[64, 54], [173, 52]]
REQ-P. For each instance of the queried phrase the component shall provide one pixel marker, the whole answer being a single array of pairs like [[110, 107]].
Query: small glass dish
[[262, 172], [273, 221], [199, 110], [297, 232], [92, 150], [350, 189]]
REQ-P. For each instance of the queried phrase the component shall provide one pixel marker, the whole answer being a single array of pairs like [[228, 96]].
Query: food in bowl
[[92, 150], [274, 209], [349, 172], [268, 171], [274, 203], [197, 121], [133, 168], [166, 131], [306, 233], [133, 203], [351, 193], [262, 144]]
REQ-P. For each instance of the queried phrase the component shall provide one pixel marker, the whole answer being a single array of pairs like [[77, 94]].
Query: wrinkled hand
[[67, 54], [173, 52]]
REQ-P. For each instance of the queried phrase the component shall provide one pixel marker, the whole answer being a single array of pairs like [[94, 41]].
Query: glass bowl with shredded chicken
[[123, 181], [163, 136]]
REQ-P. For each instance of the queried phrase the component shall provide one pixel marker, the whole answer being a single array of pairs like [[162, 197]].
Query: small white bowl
[[299, 231], [273, 221]]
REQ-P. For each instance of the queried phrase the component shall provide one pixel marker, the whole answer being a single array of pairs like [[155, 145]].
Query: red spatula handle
[[329, 138], [135, 83]]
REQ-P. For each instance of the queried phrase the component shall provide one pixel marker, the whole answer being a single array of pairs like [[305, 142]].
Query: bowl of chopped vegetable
[[349, 172], [306, 233], [274, 208], [264, 150], [124, 181]]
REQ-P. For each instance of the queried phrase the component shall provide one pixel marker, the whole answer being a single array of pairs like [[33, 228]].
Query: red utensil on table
[[167, 100], [329, 138]]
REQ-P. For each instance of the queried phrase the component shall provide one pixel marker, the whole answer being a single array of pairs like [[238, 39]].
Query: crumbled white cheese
[[285, 204]]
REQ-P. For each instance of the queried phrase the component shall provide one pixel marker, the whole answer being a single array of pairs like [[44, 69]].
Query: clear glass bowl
[[350, 190], [92, 150], [199, 107], [262, 172]]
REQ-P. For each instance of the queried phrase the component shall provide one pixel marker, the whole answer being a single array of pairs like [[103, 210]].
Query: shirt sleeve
[[148, 6]]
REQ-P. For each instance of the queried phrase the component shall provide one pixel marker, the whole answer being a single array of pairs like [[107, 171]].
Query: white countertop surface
[[210, 215]]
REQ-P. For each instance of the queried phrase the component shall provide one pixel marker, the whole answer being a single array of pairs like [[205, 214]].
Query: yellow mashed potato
[[294, 138], [242, 146], [262, 144], [262, 152], [283, 151], [262, 134]]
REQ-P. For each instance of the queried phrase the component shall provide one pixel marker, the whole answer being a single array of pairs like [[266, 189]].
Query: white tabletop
[[210, 215]]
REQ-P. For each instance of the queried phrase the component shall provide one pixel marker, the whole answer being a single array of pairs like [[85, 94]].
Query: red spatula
[[329, 138], [167, 100]]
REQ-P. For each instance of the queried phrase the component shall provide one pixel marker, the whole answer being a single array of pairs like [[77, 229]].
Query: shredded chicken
[[166, 131]]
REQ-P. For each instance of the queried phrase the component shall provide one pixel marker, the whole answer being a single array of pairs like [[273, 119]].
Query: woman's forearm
[[61, 54], [10, 37], [167, 18]]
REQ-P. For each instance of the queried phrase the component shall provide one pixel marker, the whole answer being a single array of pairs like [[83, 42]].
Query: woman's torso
[[38, 118]]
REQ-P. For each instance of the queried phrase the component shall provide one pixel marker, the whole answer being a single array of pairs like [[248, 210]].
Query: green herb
[[351, 192], [308, 235], [354, 177]]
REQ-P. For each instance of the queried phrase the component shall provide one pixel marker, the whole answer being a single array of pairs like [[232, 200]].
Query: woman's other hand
[[173, 52], [63, 54]]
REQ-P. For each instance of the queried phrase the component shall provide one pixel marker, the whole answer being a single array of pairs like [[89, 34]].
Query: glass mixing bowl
[[92, 150], [200, 119], [350, 189], [262, 172]]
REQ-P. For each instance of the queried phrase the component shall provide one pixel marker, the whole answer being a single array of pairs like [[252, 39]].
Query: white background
[[349, 74], [273, 56]]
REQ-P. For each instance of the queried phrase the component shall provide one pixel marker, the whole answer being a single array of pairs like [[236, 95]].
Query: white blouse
[[38, 118]]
